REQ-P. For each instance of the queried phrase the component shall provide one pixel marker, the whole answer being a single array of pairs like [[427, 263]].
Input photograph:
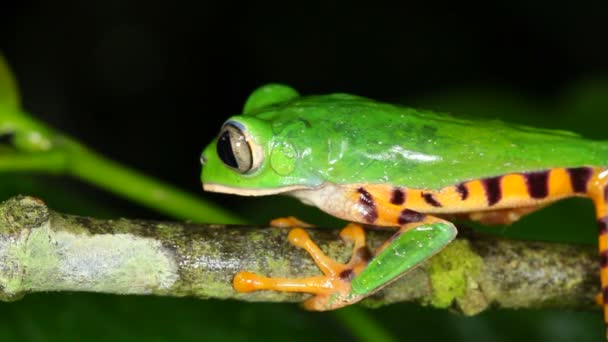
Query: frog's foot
[[333, 289], [289, 222]]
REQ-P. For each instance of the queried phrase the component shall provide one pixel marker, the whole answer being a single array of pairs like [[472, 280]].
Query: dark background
[[149, 84]]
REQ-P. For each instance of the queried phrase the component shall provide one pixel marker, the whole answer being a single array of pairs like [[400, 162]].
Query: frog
[[387, 165]]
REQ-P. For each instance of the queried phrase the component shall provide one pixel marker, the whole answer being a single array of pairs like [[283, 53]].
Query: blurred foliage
[[149, 84]]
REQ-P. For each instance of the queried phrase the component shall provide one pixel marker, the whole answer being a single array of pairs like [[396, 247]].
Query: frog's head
[[253, 154]]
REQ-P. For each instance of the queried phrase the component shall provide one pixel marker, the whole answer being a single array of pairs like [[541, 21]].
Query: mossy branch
[[43, 250]]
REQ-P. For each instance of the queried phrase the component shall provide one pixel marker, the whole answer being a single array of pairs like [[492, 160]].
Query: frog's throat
[[252, 191], [329, 197]]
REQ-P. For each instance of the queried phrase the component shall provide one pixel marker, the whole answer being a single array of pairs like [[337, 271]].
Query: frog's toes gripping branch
[[344, 284], [333, 289]]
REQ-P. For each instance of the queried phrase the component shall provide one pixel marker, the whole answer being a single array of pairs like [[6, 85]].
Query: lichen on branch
[[42, 250]]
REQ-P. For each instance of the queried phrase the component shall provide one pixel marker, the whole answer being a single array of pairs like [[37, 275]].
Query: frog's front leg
[[332, 289], [344, 284]]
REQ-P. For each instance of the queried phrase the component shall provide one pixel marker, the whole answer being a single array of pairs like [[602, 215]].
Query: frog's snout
[[203, 159]]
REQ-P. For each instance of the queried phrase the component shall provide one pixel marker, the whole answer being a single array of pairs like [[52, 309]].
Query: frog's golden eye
[[235, 150]]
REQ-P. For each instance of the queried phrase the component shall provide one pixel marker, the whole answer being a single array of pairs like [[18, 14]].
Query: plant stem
[[143, 189], [51, 162]]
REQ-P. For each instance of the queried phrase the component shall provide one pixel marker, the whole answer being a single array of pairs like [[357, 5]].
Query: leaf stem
[[144, 189]]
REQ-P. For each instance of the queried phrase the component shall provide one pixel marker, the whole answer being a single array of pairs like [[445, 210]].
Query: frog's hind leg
[[332, 289], [418, 238]]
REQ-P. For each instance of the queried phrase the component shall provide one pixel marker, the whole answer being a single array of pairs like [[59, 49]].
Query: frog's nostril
[[203, 159]]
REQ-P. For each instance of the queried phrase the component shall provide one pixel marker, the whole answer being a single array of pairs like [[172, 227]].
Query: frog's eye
[[235, 150]]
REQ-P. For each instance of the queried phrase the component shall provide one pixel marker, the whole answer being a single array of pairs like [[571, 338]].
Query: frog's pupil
[[224, 150]]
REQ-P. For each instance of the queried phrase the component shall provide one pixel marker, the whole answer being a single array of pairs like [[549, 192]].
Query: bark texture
[[44, 250]]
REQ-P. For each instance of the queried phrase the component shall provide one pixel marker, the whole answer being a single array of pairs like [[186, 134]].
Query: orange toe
[[332, 289], [288, 222]]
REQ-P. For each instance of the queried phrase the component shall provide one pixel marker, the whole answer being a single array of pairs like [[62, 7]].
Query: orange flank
[[476, 195], [499, 199], [514, 187], [510, 191], [559, 183]]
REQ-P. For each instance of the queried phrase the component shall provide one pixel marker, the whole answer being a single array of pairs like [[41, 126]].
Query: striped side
[[384, 204]]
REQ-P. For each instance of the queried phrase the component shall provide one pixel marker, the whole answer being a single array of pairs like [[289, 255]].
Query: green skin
[[344, 139], [305, 142]]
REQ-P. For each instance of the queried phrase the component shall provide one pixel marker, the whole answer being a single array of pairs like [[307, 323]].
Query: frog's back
[[357, 140]]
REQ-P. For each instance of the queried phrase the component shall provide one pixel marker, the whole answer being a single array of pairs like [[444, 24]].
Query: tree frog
[[386, 165]]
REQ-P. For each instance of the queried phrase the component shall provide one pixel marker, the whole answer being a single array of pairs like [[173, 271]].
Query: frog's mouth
[[212, 187]]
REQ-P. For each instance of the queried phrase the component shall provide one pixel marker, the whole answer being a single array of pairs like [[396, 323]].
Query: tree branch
[[43, 250]]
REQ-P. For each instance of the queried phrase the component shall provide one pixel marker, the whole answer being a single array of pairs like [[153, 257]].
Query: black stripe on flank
[[605, 294], [397, 197], [409, 216], [428, 198], [604, 258], [602, 225], [538, 184], [369, 212], [606, 194], [493, 191], [463, 191], [579, 177]]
